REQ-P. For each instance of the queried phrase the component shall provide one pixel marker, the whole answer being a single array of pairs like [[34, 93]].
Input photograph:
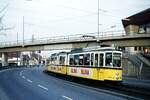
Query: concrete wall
[[130, 70], [132, 29]]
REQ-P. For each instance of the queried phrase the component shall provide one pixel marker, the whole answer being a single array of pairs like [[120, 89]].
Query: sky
[[46, 18]]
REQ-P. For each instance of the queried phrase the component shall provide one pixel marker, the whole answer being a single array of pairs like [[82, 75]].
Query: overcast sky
[[45, 18]]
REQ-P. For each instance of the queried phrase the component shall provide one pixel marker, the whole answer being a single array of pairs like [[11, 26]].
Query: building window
[[148, 29], [135, 48], [139, 48], [142, 29]]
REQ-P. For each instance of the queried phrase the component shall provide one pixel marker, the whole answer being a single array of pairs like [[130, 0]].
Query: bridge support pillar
[[4, 59]]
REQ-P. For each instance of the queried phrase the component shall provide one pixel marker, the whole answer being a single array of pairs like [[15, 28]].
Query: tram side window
[[52, 60], [96, 60], [101, 59], [108, 59], [86, 59], [71, 60], [81, 59], [55, 60], [62, 60], [76, 59], [92, 57]]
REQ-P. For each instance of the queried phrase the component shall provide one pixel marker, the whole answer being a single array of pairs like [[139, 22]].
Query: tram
[[96, 63]]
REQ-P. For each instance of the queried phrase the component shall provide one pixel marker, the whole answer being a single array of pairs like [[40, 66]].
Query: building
[[137, 24]]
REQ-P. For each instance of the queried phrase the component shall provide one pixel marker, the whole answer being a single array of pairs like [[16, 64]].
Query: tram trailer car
[[96, 63]]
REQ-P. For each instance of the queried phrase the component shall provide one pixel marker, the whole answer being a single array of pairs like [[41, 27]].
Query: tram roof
[[59, 53], [89, 49]]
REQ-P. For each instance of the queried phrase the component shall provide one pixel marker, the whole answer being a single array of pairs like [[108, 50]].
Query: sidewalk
[[136, 82]]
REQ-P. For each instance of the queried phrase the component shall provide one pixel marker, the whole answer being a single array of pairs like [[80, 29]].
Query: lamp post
[[23, 29], [17, 51], [23, 33], [98, 19]]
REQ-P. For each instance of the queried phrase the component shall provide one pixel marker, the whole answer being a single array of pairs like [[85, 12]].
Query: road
[[33, 84]]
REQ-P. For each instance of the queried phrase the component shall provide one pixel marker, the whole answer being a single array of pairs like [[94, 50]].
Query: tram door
[[92, 59], [101, 59], [101, 64]]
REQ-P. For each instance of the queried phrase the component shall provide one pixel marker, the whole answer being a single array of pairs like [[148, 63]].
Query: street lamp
[[23, 29], [98, 19], [23, 33]]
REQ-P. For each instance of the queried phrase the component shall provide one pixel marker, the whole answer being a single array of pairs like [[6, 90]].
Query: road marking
[[23, 77], [29, 80], [67, 97], [43, 87]]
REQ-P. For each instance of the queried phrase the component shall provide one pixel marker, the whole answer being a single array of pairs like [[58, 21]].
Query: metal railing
[[67, 38]]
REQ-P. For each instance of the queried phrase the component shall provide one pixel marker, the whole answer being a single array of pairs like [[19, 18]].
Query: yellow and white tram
[[97, 63]]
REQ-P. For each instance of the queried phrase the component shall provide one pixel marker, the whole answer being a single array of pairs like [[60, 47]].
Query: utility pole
[[17, 51], [17, 38], [98, 19], [32, 37], [23, 33]]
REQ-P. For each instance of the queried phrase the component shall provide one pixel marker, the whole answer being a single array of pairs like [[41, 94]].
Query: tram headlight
[[117, 75]]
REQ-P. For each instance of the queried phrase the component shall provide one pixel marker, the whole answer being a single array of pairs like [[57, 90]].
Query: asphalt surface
[[33, 84]]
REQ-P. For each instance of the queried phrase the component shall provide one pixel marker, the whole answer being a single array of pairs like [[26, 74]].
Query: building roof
[[137, 19]]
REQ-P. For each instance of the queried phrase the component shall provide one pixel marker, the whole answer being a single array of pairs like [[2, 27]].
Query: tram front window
[[116, 60], [108, 59]]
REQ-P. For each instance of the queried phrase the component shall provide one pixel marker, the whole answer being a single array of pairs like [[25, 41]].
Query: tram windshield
[[113, 59], [116, 60]]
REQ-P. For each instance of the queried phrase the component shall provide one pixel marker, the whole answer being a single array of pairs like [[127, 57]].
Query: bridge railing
[[61, 39]]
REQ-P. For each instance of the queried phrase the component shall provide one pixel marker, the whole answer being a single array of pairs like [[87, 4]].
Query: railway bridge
[[73, 41]]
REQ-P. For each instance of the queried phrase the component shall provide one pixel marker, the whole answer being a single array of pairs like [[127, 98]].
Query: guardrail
[[68, 38]]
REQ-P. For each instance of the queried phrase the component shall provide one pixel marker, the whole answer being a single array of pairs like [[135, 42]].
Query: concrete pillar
[[21, 59], [4, 59]]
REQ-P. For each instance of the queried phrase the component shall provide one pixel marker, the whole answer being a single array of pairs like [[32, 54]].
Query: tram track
[[132, 90], [122, 90]]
